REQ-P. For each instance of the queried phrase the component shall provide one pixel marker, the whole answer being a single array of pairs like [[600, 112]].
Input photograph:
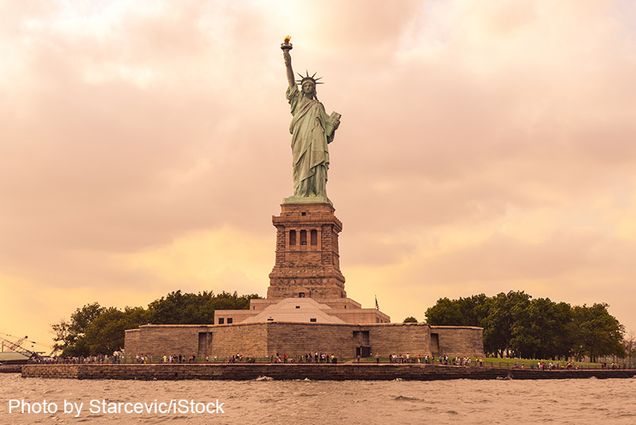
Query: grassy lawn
[[499, 362], [506, 362]]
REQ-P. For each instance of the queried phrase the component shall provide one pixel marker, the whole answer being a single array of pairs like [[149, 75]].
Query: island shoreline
[[314, 372]]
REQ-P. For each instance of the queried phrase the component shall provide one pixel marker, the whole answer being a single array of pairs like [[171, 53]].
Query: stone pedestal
[[307, 258]]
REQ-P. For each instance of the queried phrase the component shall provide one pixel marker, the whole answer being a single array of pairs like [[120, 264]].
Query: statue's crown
[[306, 77]]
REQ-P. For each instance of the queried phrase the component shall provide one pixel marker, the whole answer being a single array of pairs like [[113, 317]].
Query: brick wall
[[60, 371], [159, 340], [400, 339], [460, 340], [131, 341], [236, 315], [296, 339], [248, 340], [312, 268], [361, 316]]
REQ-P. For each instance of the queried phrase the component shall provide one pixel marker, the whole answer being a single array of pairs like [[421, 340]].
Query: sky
[[484, 146]]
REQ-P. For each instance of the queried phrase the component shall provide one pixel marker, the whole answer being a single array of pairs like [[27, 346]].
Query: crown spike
[[306, 77]]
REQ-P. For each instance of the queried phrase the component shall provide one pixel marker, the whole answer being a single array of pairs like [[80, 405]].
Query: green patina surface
[[312, 130]]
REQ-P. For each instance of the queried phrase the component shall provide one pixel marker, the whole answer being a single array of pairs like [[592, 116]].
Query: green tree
[[410, 319], [444, 312], [70, 335], [596, 332], [517, 325], [94, 329], [542, 330], [469, 311], [232, 301], [62, 336], [504, 311], [180, 308], [474, 309], [105, 334]]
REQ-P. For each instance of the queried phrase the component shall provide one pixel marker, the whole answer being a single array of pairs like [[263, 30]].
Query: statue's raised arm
[[286, 47]]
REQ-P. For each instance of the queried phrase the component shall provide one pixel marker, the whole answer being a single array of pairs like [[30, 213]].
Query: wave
[[405, 398]]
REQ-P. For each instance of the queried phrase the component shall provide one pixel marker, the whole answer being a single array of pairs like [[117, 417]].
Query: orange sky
[[485, 146]]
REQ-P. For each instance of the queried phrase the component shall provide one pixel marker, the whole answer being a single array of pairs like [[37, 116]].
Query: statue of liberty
[[312, 129]]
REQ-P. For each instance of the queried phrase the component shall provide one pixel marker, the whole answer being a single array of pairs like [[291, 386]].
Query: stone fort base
[[262, 340]]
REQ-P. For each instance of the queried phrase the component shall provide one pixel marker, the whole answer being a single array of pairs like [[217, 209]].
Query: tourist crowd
[[119, 357], [116, 358], [238, 358], [426, 359]]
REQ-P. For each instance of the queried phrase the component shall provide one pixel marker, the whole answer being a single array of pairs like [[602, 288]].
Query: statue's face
[[309, 87]]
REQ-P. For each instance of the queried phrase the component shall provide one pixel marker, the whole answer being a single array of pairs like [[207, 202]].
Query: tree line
[[94, 329], [517, 325]]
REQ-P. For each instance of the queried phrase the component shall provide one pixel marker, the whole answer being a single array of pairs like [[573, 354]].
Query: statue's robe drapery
[[312, 129]]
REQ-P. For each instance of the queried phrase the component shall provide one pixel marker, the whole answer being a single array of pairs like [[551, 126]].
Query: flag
[[377, 307]]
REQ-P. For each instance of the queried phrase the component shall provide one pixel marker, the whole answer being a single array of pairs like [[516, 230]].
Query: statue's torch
[[286, 45]]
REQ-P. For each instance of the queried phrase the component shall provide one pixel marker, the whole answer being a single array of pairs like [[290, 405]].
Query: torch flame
[[287, 39]]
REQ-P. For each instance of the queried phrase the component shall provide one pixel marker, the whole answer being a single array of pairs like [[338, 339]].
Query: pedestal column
[[307, 257]]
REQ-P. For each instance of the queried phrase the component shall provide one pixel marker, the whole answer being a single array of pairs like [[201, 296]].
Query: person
[[312, 129]]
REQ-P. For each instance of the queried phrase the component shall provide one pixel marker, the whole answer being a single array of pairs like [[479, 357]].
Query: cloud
[[226, 259]]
